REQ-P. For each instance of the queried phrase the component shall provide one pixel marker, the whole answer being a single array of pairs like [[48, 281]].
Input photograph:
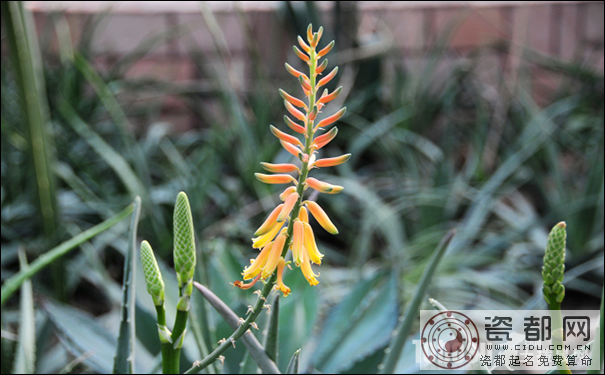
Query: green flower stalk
[[184, 265], [554, 267]]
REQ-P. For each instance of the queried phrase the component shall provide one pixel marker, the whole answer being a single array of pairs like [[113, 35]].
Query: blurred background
[[481, 116]]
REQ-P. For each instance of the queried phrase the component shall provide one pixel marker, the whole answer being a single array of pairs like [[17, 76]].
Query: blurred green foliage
[[451, 142]]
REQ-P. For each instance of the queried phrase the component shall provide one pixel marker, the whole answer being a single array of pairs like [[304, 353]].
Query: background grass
[[468, 149]]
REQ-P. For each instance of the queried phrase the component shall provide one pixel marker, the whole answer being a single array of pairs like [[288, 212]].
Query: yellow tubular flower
[[287, 192], [322, 218], [255, 268], [303, 215], [263, 240], [310, 245], [276, 250], [288, 206], [307, 271], [281, 263], [270, 222], [288, 223]]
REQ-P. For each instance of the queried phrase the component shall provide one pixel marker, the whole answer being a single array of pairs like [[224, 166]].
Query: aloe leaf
[[12, 284], [272, 332], [359, 326], [113, 159], [248, 366], [27, 65], [254, 347], [396, 347], [25, 359], [293, 365], [85, 337], [124, 358]]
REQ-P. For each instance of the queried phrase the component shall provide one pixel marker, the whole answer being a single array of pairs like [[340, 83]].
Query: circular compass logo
[[450, 340]]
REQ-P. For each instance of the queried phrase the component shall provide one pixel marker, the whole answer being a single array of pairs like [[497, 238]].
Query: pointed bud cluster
[[184, 244], [554, 265], [153, 276], [287, 227]]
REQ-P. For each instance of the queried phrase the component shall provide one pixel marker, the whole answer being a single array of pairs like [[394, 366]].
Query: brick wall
[[566, 30]]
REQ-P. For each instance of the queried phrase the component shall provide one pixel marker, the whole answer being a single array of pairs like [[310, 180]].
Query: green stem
[[557, 334], [179, 329], [166, 347]]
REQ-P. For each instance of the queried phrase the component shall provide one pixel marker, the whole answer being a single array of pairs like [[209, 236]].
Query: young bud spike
[[153, 276], [184, 241]]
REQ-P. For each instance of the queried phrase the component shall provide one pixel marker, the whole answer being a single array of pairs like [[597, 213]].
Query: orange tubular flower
[[323, 187], [275, 179], [295, 112], [322, 218], [326, 138], [301, 55], [291, 149], [287, 226], [294, 101], [279, 168], [269, 222], [285, 137], [322, 67], [326, 49], [332, 96], [287, 192], [332, 119], [331, 162], [288, 206], [294, 126], [303, 44], [328, 78], [276, 249]]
